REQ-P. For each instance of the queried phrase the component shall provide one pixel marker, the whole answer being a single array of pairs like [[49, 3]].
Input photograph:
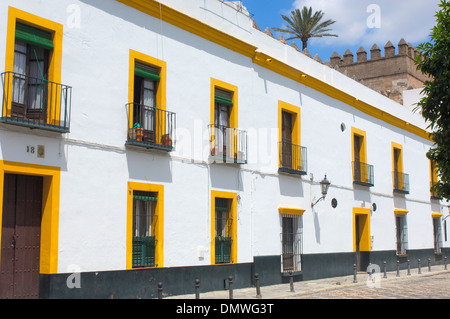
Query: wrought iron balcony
[[363, 174], [434, 194], [292, 158], [35, 103], [401, 182], [227, 145], [151, 127]]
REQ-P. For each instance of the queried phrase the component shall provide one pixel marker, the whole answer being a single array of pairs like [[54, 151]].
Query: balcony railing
[[401, 182], [227, 145], [151, 127], [292, 158], [434, 194], [35, 103], [363, 174]]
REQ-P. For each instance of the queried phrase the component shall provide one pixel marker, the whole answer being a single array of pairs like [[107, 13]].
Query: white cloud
[[408, 19]]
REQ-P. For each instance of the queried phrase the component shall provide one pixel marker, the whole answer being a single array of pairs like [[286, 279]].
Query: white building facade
[[145, 142]]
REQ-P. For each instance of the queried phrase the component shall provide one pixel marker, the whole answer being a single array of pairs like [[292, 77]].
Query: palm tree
[[304, 25]]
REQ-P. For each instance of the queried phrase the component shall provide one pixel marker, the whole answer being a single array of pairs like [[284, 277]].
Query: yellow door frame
[[50, 208]]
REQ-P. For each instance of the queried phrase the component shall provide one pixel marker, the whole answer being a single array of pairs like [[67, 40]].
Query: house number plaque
[[39, 150]]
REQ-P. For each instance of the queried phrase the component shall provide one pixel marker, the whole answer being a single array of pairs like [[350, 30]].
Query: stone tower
[[389, 75]]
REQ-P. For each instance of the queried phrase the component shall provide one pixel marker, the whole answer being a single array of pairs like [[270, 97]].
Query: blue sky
[[358, 22]]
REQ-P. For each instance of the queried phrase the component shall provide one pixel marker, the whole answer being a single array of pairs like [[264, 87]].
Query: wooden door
[[21, 236]]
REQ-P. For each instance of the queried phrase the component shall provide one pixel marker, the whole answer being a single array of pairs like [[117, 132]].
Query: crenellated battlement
[[404, 50], [389, 74]]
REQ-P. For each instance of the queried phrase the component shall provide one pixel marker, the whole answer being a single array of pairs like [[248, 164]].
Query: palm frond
[[305, 24]]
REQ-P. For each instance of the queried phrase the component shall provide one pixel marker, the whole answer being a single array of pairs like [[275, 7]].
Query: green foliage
[[304, 25], [435, 105]]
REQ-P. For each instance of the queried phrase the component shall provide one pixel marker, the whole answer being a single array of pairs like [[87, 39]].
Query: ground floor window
[[402, 234], [291, 226], [144, 224], [437, 232], [223, 230]]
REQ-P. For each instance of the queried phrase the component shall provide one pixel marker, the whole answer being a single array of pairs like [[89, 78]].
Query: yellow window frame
[[135, 56], [233, 215], [296, 135], [159, 227]]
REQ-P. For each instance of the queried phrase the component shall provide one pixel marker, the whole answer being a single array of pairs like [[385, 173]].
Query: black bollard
[[429, 264], [197, 289], [258, 289], [160, 291], [230, 286], [419, 264], [384, 270], [354, 274], [291, 281], [445, 262], [398, 268], [409, 268]]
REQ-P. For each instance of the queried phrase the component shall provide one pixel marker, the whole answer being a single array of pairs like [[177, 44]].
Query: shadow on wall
[[149, 166]]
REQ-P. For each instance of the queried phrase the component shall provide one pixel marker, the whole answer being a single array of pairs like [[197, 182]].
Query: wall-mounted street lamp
[[324, 185]]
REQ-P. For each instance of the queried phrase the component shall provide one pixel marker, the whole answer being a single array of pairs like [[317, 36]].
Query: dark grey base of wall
[[143, 283]]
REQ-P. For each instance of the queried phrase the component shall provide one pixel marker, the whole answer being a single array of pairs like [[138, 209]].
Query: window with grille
[[223, 236], [402, 234], [291, 228], [144, 223], [437, 231]]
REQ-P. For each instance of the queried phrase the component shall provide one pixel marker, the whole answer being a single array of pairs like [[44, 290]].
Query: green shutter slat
[[34, 36], [145, 198], [146, 75], [224, 97], [223, 100], [147, 72]]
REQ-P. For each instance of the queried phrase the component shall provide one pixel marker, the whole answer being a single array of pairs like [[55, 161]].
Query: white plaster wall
[[96, 166]]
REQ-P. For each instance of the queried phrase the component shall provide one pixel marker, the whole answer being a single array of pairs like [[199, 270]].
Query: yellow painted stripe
[[189, 24]]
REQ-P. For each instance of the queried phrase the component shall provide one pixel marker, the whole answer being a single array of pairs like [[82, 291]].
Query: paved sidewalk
[[305, 288]]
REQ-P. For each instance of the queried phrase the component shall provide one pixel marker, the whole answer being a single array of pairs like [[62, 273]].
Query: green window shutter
[[145, 198], [222, 204], [34, 36], [223, 97], [146, 71]]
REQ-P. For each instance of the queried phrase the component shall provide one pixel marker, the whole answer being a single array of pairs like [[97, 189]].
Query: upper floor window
[[292, 156], [32, 94], [149, 124], [363, 173], [400, 179], [227, 142]]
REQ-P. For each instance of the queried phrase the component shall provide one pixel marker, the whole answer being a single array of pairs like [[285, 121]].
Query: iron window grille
[[35, 102], [437, 231], [151, 127], [144, 223], [227, 144], [291, 243], [223, 236], [292, 158], [402, 234], [363, 173]]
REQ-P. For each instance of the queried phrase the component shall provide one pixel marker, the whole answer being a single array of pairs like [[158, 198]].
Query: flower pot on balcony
[[166, 140]]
